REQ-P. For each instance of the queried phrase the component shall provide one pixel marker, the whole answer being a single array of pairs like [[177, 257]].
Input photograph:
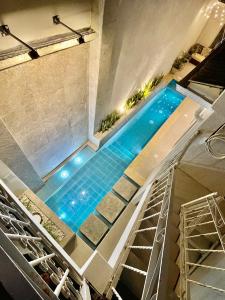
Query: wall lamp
[[56, 20], [4, 30]]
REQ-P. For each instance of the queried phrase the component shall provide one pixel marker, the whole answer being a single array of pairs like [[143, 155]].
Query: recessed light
[[64, 174], [62, 216], [83, 193], [78, 159]]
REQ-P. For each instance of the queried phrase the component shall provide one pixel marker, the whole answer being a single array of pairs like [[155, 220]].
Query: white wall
[[211, 28], [198, 162], [209, 32], [142, 39], [32, 20]]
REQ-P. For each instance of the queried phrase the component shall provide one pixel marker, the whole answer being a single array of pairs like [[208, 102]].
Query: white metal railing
[[156, 202], [204, 216], [155, 263], [46, 265]]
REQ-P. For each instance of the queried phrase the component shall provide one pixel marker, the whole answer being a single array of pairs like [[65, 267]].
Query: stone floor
[[125, 188], [94, 229], [110, 207]]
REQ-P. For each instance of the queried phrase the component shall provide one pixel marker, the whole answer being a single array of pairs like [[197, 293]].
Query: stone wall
[[43, 104], [15, 159], [141, 39]]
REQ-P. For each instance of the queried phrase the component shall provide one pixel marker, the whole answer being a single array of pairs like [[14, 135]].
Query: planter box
[[100, 138]]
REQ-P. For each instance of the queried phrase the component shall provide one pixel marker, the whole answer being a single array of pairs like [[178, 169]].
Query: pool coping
[[138, 170]]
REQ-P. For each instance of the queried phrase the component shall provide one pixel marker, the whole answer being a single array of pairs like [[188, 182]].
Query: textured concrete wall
[[142, 39], [43, 104], [14, 158]]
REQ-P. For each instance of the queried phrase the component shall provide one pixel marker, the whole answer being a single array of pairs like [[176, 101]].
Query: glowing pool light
[[83, 193], [78, 160], [62, 216], [64, 174]]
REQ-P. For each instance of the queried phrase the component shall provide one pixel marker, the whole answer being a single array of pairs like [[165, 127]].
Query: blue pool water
[[80, 195], [57, 180]]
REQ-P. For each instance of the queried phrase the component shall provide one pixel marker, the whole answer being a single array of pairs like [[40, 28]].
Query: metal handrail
[[19, 227], [188, 280], [148, 197]]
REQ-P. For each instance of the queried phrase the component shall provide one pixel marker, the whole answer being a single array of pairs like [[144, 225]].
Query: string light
[[215, 10]]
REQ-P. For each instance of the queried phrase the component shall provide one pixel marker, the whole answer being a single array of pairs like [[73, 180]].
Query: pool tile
[[99, 174]]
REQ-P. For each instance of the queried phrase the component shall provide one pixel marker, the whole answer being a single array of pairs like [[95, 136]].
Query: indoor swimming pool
[[74, 201]]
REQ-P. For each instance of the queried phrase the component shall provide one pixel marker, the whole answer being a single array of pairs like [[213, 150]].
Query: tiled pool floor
[[64, 174], [78, 198]]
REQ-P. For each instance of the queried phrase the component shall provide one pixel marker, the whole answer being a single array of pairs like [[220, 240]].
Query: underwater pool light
[[78, 160], [62, 216], [83, 193], [64, 174]]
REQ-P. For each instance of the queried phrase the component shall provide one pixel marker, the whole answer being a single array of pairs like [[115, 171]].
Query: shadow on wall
[[10, 6], [32, 20], [140, 40]]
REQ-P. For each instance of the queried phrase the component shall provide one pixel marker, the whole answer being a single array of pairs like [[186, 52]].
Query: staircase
[[175, 252], [141, 271]]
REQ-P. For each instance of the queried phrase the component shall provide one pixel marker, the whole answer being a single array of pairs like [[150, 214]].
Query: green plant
[[196, 48], [109, 121], [178, 63], [148, 88], [132, 101], [143, 93], [151, 84], [180, 60], [157, 81]]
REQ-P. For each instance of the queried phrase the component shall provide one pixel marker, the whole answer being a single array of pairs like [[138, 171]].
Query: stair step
[[143, 240], [136, 260], [143, 254], [124, 292], [134, 282]]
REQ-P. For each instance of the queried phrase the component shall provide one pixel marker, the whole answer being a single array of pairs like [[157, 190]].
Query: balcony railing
[[44, 264]]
